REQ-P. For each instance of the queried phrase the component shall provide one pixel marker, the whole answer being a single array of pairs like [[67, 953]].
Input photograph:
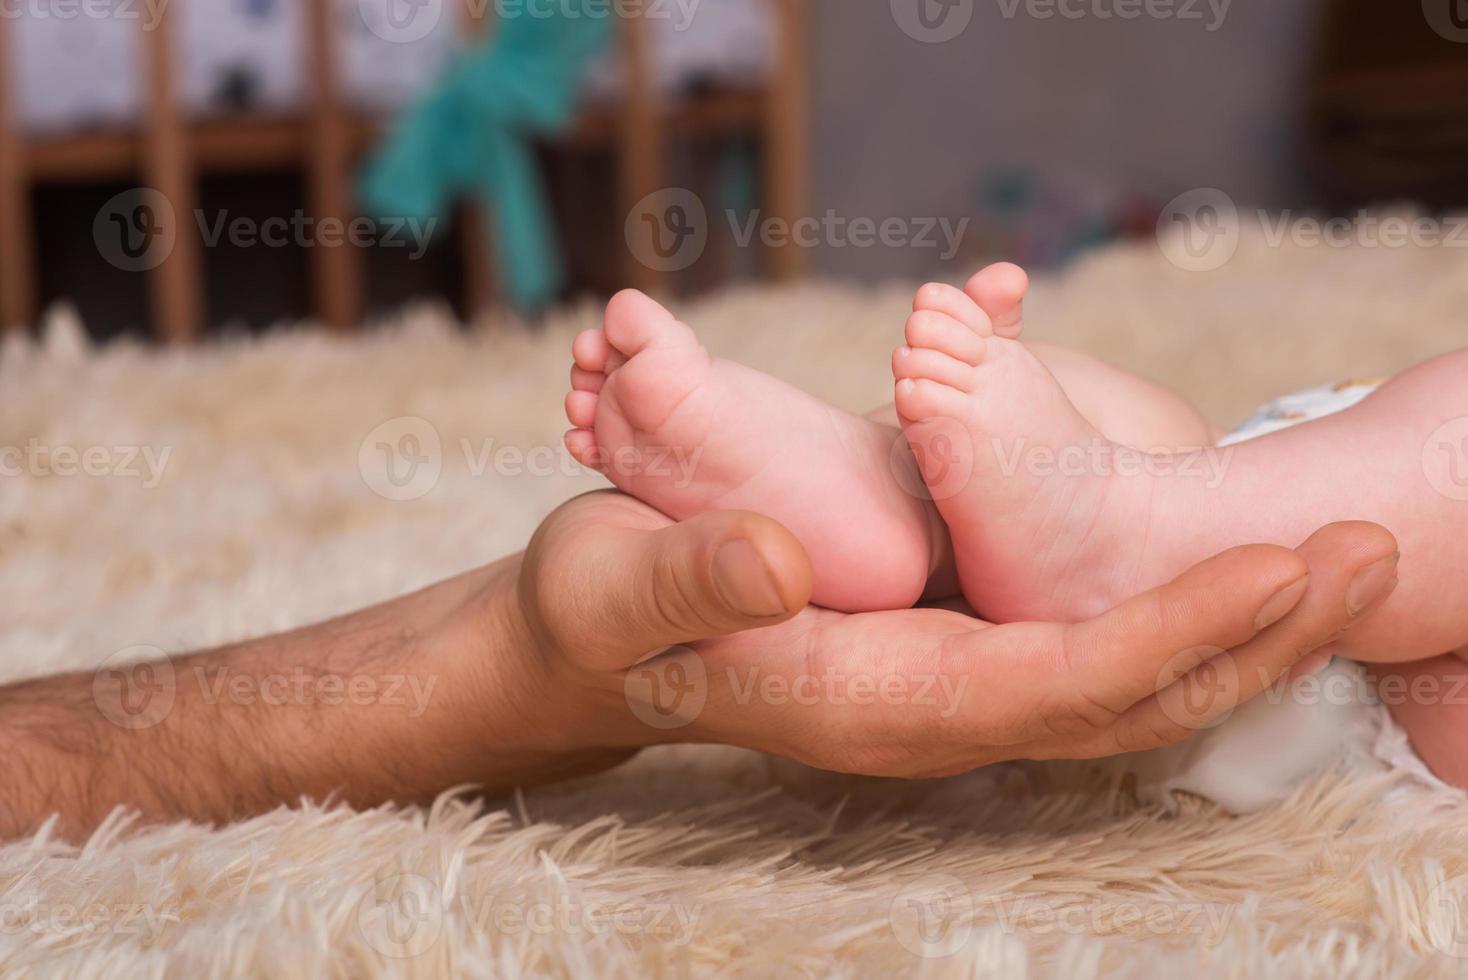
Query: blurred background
[[175, 168]]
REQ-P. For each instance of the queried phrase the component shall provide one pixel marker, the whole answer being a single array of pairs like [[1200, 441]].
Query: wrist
[[522, 710]]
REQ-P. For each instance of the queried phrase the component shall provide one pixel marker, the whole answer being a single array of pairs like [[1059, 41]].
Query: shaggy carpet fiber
[[246, 508]]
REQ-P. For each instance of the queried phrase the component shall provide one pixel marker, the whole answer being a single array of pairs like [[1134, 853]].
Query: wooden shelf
[[171, 151], [245, 144]]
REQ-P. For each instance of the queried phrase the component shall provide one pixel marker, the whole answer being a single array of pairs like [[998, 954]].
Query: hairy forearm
[[393, 703]]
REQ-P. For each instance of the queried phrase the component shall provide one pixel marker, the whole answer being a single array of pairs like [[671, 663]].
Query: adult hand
[[917, 692], [537, 667]]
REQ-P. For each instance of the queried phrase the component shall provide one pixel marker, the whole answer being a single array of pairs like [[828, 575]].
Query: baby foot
[[688, 433], [1040, 524]]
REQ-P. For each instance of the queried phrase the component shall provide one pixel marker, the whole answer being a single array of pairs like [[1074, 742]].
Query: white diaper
[[1267, 747]]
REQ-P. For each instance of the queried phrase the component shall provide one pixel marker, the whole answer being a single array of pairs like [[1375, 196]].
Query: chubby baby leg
[[1124, 407], [1429, 699]]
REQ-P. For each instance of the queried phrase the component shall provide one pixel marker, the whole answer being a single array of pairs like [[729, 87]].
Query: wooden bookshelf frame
[[168, 152]]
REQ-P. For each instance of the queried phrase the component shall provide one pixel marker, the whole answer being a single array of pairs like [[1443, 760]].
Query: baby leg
[[1400, 458], [1124, 407], [1429, 699], [1051, 520]]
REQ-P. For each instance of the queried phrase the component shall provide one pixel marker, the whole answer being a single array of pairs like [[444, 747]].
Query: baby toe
[[930, 330], [940, 297], [933, 365], [581, 444], [584, 380], [920, 399], [581, 408], [634, 321], [999, 290], [590, 350]]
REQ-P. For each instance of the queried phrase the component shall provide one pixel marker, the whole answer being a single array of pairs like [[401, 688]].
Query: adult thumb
[[712, 575]]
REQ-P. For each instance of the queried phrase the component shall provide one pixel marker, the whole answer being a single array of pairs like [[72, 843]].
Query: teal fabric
[[471, 135]]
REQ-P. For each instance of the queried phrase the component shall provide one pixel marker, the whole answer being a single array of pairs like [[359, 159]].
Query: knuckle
[[1077, 717], [675, 596], [1143, 735]]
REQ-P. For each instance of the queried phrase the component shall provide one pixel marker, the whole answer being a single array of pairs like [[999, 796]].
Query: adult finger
[[1113, 661], [1352, 570], [621, 587]]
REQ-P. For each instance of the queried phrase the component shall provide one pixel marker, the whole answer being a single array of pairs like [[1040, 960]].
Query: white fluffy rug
[[687, 861]]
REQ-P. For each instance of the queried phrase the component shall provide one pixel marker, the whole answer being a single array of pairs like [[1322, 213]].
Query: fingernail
[[1371, 583], [1281, 603], [744, 581]]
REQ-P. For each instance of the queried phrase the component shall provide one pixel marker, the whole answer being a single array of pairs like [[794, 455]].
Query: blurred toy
[[471, 135]]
